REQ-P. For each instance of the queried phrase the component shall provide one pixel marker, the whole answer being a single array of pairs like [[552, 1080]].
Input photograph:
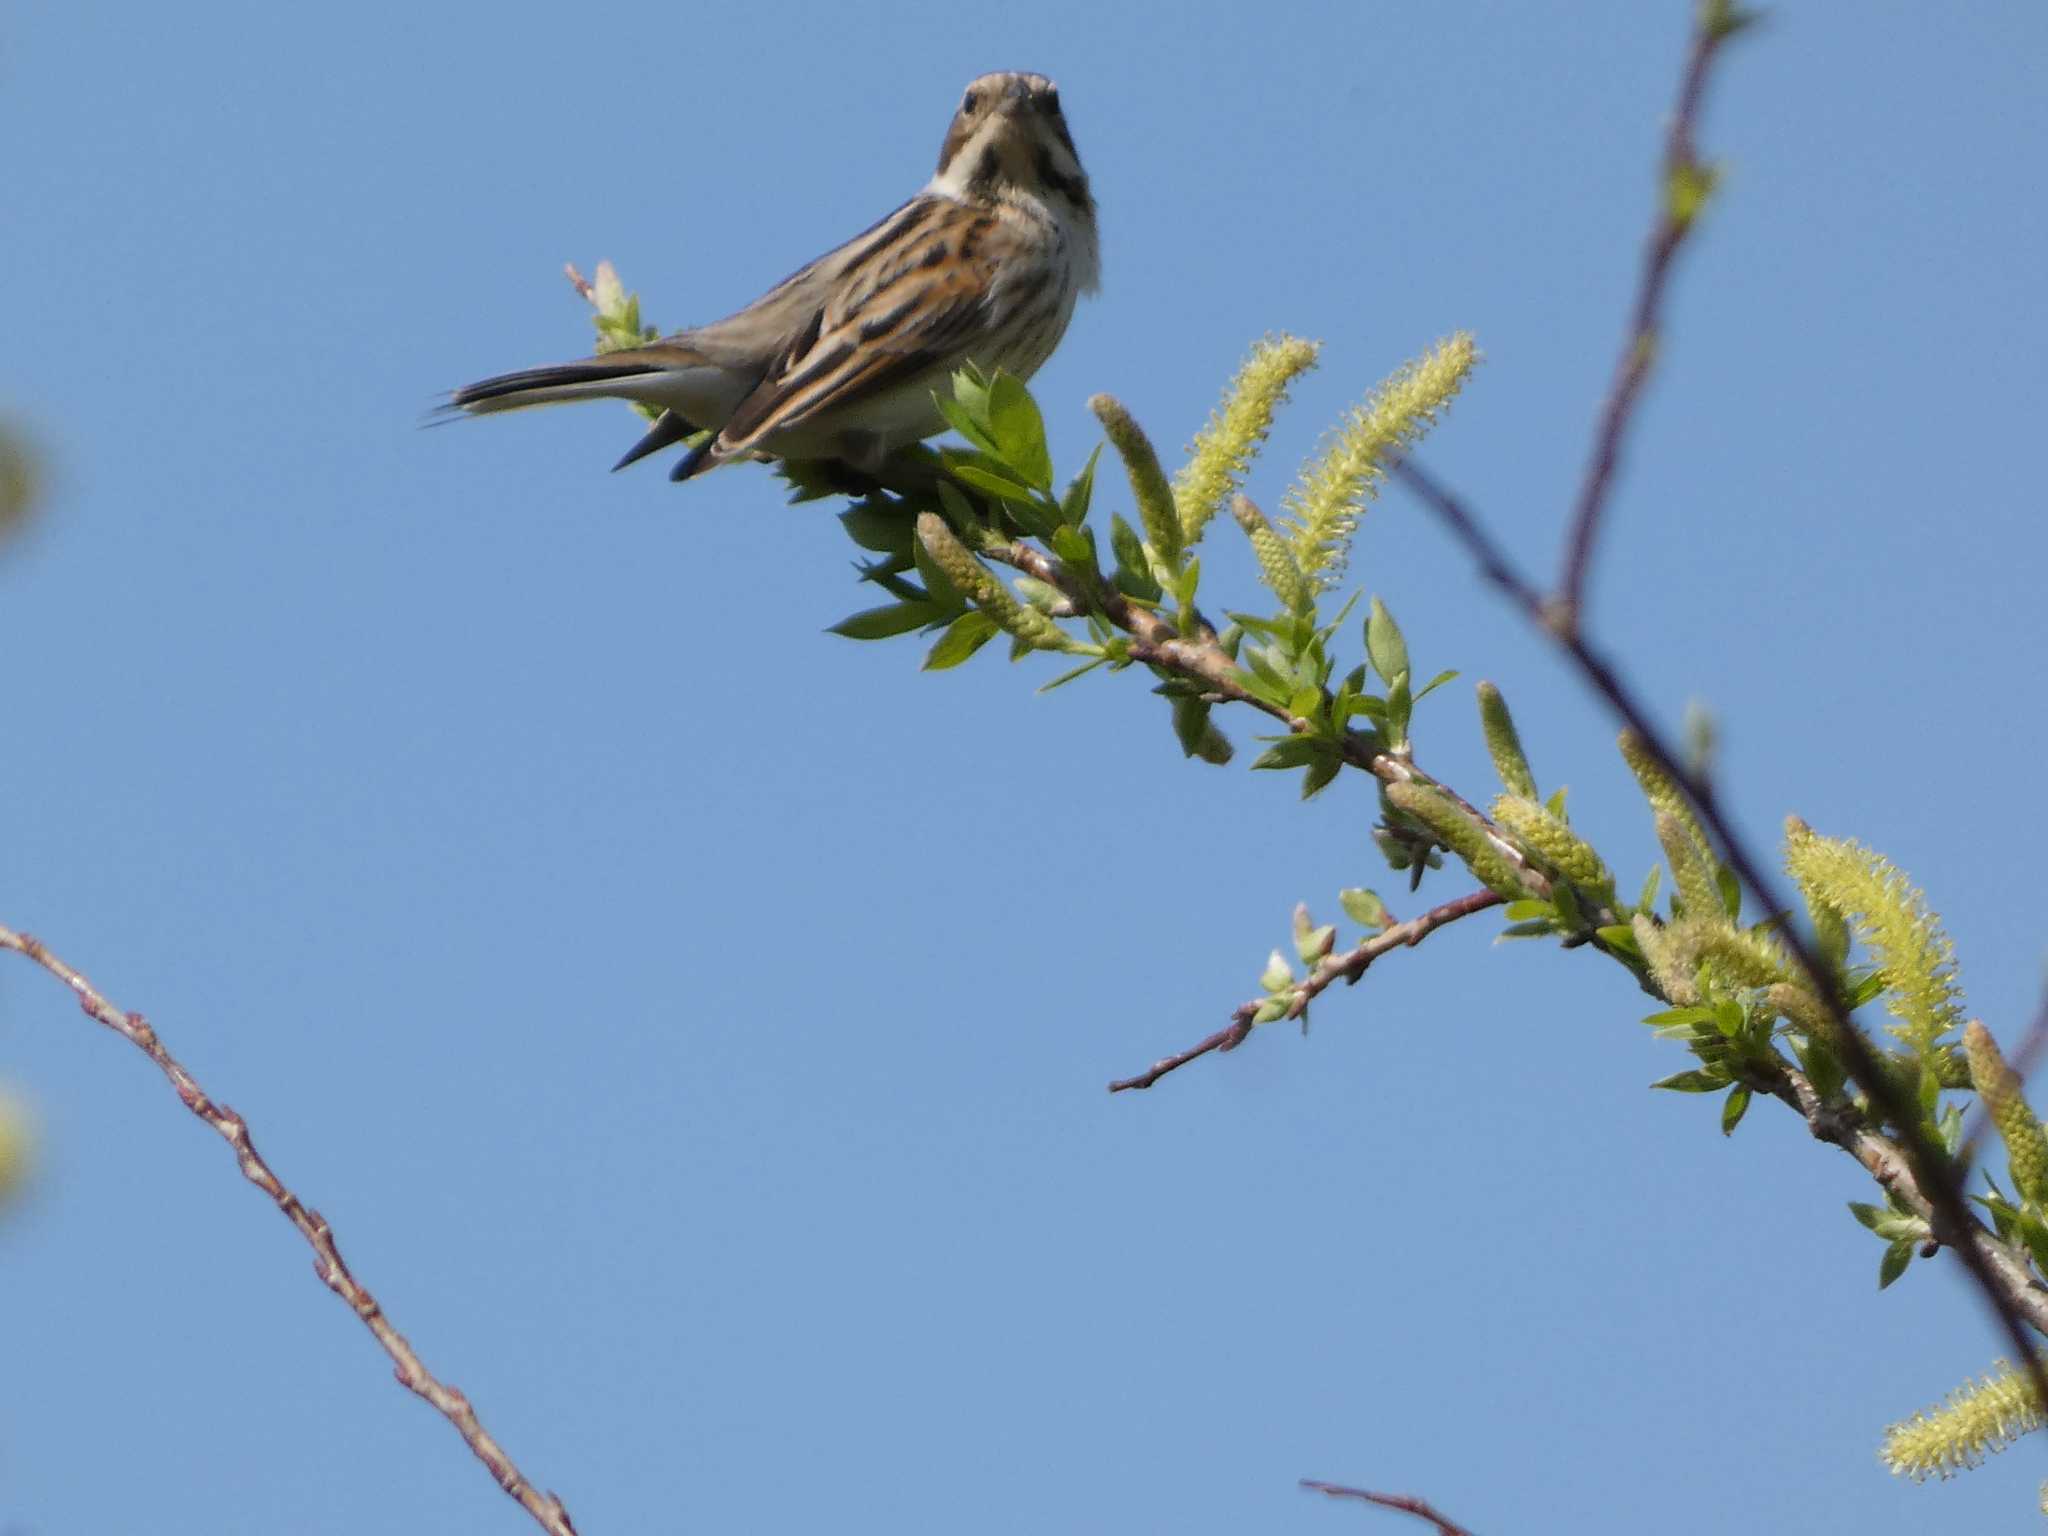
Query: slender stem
[[1408, 1504], [1675, 220], [546, 1509], [1346, 967]]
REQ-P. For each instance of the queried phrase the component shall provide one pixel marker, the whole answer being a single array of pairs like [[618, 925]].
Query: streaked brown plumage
[[840, 359]]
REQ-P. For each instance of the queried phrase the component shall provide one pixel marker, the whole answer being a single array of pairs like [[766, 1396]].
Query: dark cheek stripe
[[1070, 187]]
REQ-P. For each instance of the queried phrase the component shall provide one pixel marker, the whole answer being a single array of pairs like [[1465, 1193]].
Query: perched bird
[[840, 359]]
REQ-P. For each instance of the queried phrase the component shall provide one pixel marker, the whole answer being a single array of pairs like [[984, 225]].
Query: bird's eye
[[970, 101]]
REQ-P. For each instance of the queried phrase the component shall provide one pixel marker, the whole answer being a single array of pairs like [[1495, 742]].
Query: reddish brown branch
[[1683, 184], [1347, 967], [546, 1510], [1408, 1504], [1935, 1177]]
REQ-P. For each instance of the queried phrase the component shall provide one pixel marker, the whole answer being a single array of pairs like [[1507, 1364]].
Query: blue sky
[[695, 1024]]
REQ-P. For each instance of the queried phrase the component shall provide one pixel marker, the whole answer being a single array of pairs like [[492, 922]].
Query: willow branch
[[1408, 1504], [1936, 1179], [546, 1509], [1346, 967], [1201, 660], [1841, 1126]]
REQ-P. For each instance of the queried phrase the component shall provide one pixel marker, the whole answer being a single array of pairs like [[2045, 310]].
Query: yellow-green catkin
[[1459, 833], [1742, 958], [1223, 450], [1690, 871], [15, 1141], [1675, 973], [1661, 792], [1978, 1419], [1276, 563], [1553, 842], [1892, 918], [1324, 505], [977, 582], [1156, 511], [2026, 1147], [1504, 743], [1799, 1005]]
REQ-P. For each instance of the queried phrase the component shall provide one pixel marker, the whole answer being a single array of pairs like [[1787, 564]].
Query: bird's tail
[[596, 378]]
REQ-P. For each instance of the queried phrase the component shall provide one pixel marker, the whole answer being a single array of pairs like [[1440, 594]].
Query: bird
[[841, 359]]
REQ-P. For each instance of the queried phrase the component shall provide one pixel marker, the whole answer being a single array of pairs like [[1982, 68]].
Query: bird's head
[[1009, 136]]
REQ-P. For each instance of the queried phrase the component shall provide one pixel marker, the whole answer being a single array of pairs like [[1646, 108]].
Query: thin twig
[[1408, 1504], [546, 1509], [1676, 219], [1347, 967]]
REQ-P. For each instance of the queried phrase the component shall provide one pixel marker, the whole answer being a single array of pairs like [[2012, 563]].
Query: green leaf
[[1865, 989], [1074, 546], [881, 623], [1696, 1081], [965, 415], [1541, 929], [1259, 661], [1400, 707], [1823, 1069], [1522, 911], [1671, 1017], [1384, 645], [993, 484], [1734, 1107], [1569, 912], [1645, 902], [1199, 737], [2036, 1236], [1019, 430], [1320, 772], [1041, 595], [959, 510], [1290, 752], [879, 531], [1067, 677], [1277, 974], [1894, 1262], [1620, 938], [1433, 684], [1869, 1215], [1080, 492], [963, 637], [1305, 703], [1363, 907], [1731, 891]]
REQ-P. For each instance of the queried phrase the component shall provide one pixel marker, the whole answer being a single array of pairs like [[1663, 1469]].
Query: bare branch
[[546, 1509], [1347, 967], [1408, 1504], [1683, 186]]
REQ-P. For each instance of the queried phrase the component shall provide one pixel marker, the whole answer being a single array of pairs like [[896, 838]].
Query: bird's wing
[[909, 300]]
